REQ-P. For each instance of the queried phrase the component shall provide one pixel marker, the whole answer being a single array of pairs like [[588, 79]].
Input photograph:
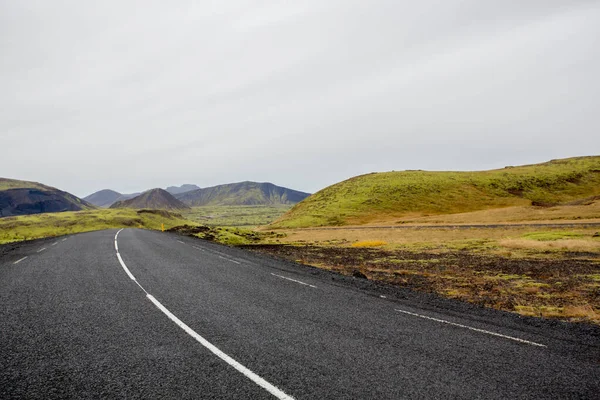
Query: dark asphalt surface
[[74, 325]]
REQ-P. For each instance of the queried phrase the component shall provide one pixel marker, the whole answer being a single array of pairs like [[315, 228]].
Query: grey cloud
[[137, 94]]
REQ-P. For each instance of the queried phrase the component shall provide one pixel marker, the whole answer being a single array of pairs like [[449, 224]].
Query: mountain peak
[[182, 189], [153, 198], [242, 193]]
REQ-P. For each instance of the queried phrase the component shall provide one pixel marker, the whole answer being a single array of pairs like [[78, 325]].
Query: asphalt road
[[200, 320]]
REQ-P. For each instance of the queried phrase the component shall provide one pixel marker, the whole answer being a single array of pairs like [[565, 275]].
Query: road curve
[[155, 315]]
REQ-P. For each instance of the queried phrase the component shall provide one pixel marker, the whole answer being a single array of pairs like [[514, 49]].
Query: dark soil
[[491, 281]]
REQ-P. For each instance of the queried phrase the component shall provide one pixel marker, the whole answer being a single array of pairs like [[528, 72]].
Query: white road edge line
[[198, 248], [473, 329], [293, 280], [64, 239], [274, 390], [229, 259], [40, 250], [18, 261], [181, 242]]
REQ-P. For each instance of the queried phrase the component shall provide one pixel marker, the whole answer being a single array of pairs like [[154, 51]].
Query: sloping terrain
[[242, 193], [23, 198], [107, 197], [154, 199], [386, 196], [181, 189], [28, 227], [103, 198]]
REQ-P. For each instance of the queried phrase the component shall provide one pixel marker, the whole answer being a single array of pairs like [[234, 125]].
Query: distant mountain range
[[154, 198], [242, 193], [106, 198], [174, 190], [23, 198]]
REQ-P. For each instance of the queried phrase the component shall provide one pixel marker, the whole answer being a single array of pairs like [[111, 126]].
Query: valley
[[520, 239]]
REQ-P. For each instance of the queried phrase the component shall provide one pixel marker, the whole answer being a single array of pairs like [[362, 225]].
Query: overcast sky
[[131, 95]]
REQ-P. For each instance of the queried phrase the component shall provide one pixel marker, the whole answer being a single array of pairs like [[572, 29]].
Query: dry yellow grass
[[369, 243], [507, 215], [558, 214], [505, 241], [476, 263], [563, 244]]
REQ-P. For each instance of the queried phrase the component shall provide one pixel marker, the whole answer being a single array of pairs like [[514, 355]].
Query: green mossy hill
[[242, 194], [27, 227], [154, 198], [6, 183], [380, 196], [24, 198]]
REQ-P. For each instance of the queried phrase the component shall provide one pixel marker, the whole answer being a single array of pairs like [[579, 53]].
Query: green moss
[[365, 198], [232, 236], [37, 226], [552, 235]]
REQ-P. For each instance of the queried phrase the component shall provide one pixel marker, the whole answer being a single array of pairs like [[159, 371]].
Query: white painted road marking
[[64, 239], [181, 242], [55, 243], [274, 390], [229, 259], [198, 248], [293, 280], [18, 261], [473, 329], [40, 250], [125, 267]]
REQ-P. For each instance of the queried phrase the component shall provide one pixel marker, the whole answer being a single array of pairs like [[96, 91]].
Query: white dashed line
[[229, 259], [181, 242], [18, 261], [473, 329], [64, 239], [40, 250], [274, 390], [55, 243], [198, 248], [293, 280]]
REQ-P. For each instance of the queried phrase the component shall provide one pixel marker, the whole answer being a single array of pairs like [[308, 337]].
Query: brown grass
[[553, 288], [560, 245]]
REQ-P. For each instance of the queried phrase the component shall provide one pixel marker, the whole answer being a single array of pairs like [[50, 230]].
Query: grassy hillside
[[384, 196], [29, 227], [154, 198], [242, 193], [16, 184], [239, 216], [23, 198]]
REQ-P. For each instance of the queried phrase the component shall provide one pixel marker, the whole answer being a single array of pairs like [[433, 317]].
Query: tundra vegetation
[[471, 236], [393, 197], [27, 227]]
